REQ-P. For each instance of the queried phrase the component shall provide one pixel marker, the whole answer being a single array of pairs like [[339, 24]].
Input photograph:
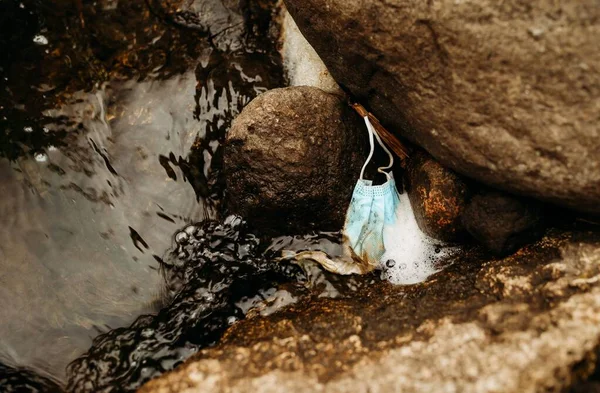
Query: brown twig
[[390, 139], [79, 6]]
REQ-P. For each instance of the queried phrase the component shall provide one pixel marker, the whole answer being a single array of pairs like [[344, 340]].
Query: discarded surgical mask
[[381, 232]]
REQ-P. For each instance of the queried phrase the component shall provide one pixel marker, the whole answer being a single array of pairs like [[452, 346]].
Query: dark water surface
[[213, 267], [112, 119]]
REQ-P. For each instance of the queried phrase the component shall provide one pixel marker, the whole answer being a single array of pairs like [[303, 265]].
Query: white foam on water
[[41, 157], [40, 40], [411, 256]]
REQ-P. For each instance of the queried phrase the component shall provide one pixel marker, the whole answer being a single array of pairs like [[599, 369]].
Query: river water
[[112, 116]]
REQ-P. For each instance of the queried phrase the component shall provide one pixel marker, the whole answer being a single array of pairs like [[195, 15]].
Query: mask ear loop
[[372, 132], [372, 144]]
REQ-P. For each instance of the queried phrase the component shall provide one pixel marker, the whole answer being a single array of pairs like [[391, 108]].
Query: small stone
[[536, 32]]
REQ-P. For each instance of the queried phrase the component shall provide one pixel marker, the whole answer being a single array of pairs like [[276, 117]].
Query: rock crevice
[[467, 84]]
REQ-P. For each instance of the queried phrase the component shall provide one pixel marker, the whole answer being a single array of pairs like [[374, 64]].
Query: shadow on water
[[112, 118]]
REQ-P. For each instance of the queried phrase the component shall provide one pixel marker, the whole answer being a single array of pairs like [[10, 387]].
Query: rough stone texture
[[526, 323], [507, 93], [503, 222], [438, 197], [291, 160]]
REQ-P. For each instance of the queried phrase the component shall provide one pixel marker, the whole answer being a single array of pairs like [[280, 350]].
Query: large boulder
[[292, 159], [505, 92], [526, 323]]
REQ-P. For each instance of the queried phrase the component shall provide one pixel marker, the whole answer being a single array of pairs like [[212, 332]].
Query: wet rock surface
[[526, 323], [502, 222], [464, 82], [438, 197], [292, 159]]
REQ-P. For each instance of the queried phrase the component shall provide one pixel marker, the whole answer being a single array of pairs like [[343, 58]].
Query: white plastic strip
[[373, 133]]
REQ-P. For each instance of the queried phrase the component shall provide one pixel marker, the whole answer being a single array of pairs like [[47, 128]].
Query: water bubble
[[41, 157], [420, 255], [40, 40], [190, 230], [182, 237], [390, 263]]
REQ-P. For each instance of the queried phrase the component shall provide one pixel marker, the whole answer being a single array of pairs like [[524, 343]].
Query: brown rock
[[587, 387], [526, 323], [438, 197], [292, 159], [504, 92], [502, 222]]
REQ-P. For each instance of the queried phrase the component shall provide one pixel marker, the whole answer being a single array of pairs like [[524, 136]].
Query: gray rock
[[503, 222], [526, 323], [438, 197], [504, 92], [292, 159]]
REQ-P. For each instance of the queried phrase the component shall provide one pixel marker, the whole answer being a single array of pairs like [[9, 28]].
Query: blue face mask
[[380, 232], [371, 210]]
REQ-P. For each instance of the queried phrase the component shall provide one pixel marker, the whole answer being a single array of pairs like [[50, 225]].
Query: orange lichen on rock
[[438, 197]]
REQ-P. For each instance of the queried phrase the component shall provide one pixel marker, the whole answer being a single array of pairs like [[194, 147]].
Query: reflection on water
[[80, 228], [100, 177], [211, 270], [20, 380], [216, 275]]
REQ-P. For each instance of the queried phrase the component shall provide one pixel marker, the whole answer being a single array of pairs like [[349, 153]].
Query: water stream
[[95, 180]]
